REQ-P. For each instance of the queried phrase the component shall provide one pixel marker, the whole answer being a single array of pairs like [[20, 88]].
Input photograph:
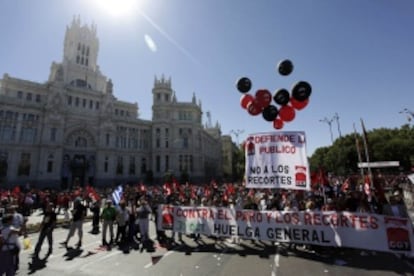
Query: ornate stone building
[[73, 129]]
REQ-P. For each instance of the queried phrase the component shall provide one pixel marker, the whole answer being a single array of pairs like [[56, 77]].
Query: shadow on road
[[72, 253], [37, 264], [348, 257]]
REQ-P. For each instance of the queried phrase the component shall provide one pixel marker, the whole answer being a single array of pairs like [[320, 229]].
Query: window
[[53, 131], [106, 164], [97, 105], [76, 101], [166, 137], [132, 165], [69, 100], [37, 98], [86, 62], [90, 104], [143, 165], [19, 94], [49, 168], [84, 102], [87, 51], [108, 141], [158, 96], [24, 165], [81, 142], [167, 163], [158, 163], [77, 59], [157, 137], [120, 166], [3, 163], [29, 96], [28, 134]]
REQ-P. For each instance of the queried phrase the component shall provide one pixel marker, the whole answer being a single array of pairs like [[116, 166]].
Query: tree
[[384, 145]]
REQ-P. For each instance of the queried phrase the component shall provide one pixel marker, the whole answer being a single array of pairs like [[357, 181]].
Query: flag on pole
[[365, 140], [117, 194]]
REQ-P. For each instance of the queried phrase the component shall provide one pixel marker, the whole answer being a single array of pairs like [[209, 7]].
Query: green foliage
[[383, 145]]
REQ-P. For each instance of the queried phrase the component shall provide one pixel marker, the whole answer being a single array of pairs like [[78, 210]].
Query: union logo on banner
[[277, 160]]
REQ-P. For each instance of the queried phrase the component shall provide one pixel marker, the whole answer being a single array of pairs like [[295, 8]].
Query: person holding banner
[[396, 206]]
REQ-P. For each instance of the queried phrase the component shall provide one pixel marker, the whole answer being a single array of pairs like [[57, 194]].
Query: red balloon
[[264, 97], [254, 108], [278, 123], [245, 99], [297, 104], [287, 113]]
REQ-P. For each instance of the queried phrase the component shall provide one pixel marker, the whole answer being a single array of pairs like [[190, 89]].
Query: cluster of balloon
[[287, 102]]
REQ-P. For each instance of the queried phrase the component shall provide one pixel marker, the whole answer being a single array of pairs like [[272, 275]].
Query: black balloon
[[244, 85], [281, 97], [301, 91], [270, 113], [285, 67]]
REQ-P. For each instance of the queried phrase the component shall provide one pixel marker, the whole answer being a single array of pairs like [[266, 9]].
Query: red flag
[[92, 193], [167, 188], [16, 191], [207, 191]]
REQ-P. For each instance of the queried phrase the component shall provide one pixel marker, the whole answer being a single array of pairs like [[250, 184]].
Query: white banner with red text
[[277, 160], [336, 229]]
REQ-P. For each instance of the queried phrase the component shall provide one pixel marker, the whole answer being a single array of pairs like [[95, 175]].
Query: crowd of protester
[[132, 212]]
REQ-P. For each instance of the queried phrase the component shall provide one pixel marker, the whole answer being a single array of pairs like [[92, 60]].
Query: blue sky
[[357, 55]]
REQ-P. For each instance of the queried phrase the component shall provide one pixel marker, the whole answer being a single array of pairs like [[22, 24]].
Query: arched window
[[81, 142]]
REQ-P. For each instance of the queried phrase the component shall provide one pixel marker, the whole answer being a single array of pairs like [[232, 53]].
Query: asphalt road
[[204, 258]]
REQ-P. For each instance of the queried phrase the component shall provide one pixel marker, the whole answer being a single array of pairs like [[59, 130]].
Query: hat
[[108, 201], [396, 193]]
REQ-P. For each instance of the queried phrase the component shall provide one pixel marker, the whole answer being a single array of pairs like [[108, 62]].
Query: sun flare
[[118, 7]]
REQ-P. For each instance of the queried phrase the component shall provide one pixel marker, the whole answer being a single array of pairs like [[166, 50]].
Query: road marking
[[276, 261], [101, 259]]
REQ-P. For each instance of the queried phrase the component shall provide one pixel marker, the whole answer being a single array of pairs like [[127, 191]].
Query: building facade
[[72, 129]]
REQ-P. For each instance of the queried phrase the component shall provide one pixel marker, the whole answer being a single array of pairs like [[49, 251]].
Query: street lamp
[[329, 122], [336, 118], [236, 133], [410, 114]]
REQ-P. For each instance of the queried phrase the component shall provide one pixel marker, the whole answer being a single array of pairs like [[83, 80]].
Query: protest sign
[[277, 160], [335, 229]]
